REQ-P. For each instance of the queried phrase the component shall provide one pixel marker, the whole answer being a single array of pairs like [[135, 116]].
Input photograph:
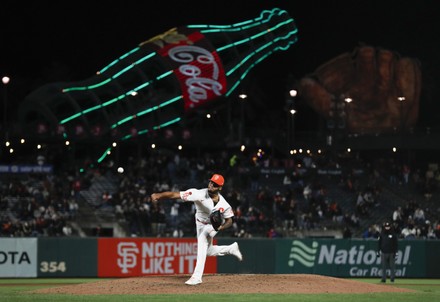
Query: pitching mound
[[247, 283]]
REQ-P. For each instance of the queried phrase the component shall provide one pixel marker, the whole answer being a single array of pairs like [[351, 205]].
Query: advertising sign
[[348, 258], [67, 257], [26, 169], [195, 63], [126, 257], [18, 257]]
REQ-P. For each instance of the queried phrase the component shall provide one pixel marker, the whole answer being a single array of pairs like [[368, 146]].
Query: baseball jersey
[[205, 205]]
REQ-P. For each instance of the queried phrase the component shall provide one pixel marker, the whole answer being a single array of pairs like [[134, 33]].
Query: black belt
[[202, 221]]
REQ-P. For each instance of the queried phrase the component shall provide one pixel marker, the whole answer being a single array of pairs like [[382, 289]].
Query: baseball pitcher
[[213, 214]]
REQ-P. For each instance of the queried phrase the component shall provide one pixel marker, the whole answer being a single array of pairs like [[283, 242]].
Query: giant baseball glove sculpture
[[376, 80]]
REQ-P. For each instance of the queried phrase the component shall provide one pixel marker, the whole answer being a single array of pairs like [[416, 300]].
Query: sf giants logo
[[128, 252]]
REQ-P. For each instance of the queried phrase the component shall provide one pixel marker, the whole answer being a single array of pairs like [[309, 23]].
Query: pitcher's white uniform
[[205, 232]]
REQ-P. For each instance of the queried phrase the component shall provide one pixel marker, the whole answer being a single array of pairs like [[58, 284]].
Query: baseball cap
[[218, 179]]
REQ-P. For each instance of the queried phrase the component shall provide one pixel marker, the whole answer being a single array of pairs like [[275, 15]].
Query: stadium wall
[[130, 257]]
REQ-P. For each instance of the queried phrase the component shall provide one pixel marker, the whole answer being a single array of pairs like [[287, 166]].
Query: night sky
[[52, 41]]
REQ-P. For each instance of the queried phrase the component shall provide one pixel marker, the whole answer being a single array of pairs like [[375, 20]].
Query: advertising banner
[[18, 257], [127, 257], [26, 169], [67, 257], [348, 258]]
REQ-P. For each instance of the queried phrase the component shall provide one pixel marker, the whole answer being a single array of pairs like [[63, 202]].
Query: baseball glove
[[216, 219], [374, 79]]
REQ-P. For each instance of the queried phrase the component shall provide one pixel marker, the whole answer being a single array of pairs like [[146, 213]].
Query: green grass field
[[17, 290]]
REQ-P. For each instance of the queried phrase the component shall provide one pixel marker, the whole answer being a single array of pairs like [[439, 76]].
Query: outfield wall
[[129, 257]]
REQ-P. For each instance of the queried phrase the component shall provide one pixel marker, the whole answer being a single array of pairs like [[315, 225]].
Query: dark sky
[[50, 41]]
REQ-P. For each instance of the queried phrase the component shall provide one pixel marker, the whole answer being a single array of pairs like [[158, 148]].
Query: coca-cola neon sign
[[196, 65], [198, 82]]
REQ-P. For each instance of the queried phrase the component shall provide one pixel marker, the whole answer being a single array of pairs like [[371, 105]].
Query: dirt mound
[[225, 283]]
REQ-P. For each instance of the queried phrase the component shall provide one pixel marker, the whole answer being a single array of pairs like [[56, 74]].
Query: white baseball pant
[[205, 235]]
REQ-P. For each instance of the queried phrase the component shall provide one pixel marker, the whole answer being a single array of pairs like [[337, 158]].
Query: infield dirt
[[224, 283]]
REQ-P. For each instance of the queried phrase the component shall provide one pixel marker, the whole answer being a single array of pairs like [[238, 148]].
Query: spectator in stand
[[174, 220], [355, 221], [419, 216], [427, 190], [368, 197], [290, 214], [277, 206], [67, 230], [106, 200], [398, 218], [430, 232], [272, 233], [346, 234], [76, 188], [158, 220], [372, 232], [306, 221], [361, 205], [253, 219], [287, 181], [409, 232], [242, 234], [73, 208], [335, 212], [349, 183], [307, 191], [7, 228], [436, 228], [360, 198]]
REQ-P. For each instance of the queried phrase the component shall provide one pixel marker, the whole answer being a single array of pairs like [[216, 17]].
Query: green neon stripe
[[160, 105], [71, 118], [167, 123], [116, 75], [76, 115], [247, 25], [104, 155], [271, 12], [145, 58], [164, 75], [122, 71], [120, 58], [232, 70], [87, 87], [127, 119], [144, 131], [258, 35]]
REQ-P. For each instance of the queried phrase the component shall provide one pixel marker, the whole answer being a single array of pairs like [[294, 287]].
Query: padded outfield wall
[[130, 257]]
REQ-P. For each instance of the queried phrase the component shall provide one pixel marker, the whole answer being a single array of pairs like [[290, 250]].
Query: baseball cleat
[[193, 281], [235, 250]]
